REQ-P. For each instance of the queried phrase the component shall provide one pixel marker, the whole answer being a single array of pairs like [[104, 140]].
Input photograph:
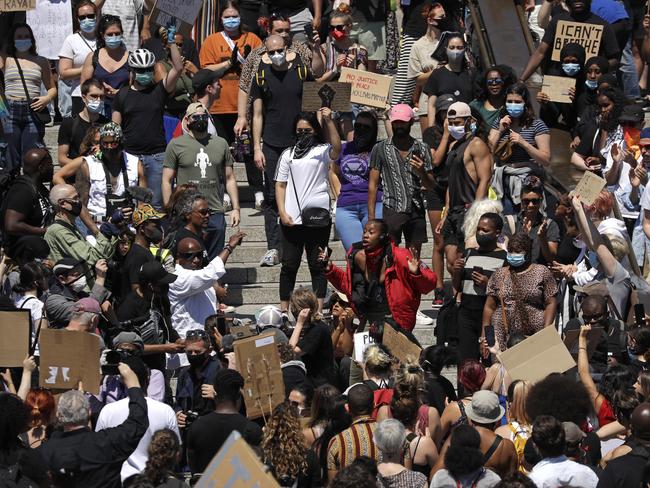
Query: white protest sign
[[361, 342], [51, 22]]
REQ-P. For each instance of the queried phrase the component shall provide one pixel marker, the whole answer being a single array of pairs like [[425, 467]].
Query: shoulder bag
[[43, 115], [311, 217]]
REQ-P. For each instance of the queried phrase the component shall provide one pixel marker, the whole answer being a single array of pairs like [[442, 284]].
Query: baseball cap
[[269, 316], [195, 107], [645, 133], [87, 304], [459, 109], [128, 338], [154, 272], [145, 212], [632, 113], [572, 433], [443, 102], [401, 112], [205, 77], [65, 265], [484, 408]]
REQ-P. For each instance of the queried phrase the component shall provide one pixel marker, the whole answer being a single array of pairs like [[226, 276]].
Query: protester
[[43, 409], [164, 453], [389, 437], [491, 97]]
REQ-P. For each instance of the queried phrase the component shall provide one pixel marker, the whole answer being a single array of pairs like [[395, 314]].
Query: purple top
[[354, 169]]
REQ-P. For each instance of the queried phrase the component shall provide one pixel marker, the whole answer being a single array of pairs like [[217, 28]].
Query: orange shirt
[[215, 50]]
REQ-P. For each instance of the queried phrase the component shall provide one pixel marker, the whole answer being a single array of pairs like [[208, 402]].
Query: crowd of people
[[126, 235]]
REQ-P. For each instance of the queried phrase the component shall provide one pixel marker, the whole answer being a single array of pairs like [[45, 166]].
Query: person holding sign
[[579, 11], [24, 71]]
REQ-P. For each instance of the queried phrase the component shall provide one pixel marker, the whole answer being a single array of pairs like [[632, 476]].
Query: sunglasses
[[304, 131], [494, 81], [110, 144], [203, 211], [194, 333], [592, 318], [534, 201], [84, 17], [198, 117], [339, 28], [190, 255], [275, 51]]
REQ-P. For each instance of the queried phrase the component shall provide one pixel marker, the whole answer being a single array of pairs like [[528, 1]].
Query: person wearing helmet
[[139, 109]]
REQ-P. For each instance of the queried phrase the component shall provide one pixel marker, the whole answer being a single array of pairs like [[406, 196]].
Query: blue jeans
[[153, 166], [350, 221], [22, 132], [629, 76], [215, 235]]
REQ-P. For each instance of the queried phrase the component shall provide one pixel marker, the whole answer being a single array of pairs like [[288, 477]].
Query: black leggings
[[295, 239]]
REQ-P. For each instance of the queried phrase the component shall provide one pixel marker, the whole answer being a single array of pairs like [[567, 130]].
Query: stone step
[[251, 273]]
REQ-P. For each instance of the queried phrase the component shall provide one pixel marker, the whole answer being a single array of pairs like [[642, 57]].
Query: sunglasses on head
[[84, 17], [190, 255], [194, 333], [494, 81]]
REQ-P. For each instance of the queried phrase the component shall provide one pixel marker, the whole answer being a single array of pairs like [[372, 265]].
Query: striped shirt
[[474, 296], [14, 89], [519, 154], [356, 440]]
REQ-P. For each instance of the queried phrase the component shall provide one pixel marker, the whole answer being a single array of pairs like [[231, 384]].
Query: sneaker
[[421, 319], [259, 198], [438, 298], [271, 258], [227, 204]]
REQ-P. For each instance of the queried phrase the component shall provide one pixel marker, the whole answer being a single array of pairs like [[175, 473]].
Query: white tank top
[[97, 192]]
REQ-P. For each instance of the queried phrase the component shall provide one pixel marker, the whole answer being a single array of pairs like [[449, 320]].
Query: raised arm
[[177, 64]]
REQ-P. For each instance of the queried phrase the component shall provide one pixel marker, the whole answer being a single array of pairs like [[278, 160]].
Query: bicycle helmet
[[141, 58]]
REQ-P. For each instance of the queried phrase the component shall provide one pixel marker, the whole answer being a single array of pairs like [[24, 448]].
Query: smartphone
[[639, 315], [309, 31], [489, 335]]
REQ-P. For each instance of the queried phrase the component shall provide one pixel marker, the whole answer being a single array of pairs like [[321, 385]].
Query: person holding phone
[[470, 278]]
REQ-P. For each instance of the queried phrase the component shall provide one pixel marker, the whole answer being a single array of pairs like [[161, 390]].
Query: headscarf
[[599, 61], [111, 129], [576, 50]]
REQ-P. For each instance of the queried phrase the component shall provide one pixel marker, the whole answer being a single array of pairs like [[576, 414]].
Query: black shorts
[[452, 230], [412, 224], [637, 14], [435, 197]]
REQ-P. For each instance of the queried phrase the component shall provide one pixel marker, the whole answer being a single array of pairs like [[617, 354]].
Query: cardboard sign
[[367, 88], [236, 466], [589, 187], [181, 13], [557, 88], [536, 357], [361, 342], [68, 357], [400, 346], [241, 331], [330, 94], [51, 22], [15, 336], [17, 5], [258, 361], [587, 35], [571, 341]]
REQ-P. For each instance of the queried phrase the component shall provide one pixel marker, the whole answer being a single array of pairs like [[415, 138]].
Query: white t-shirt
[[36, 311], [310, 179], [161, 416], [77, 48]]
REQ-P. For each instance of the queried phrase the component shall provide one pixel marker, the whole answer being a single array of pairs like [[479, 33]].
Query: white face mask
[[457, 132], [95, 106], [278, 59], [79, 284]]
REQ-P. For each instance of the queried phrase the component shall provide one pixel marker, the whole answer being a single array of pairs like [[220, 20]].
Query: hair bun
[[344, 8]]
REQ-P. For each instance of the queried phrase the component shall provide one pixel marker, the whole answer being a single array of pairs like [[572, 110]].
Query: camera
[[110, 360], [190, 416]]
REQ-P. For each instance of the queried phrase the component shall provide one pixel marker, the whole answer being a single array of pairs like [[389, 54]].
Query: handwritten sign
[[400, 346], [361, 342], [181, 13], [367, 88], [236, 466], [68, 357], [17, 5], [587, 35], [258, 362], [51, 22], [589, 187], [538, 356], [557, 88], [333, 95], [15, 335]]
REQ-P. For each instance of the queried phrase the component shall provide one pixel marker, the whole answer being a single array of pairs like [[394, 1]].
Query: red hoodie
[[403, 288]]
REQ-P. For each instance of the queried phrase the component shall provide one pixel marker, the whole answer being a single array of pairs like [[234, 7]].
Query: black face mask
[[401, 131], [304, 142], [364, 138], [197, 360], [75, 208], [111, 152], [200, 126], [155, 235], [486, 240]]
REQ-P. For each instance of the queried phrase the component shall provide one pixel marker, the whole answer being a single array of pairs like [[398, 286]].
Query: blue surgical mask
[[231, 23], [516, 260], [23, 44], [113, 42], [591, 84], [145, 79], [515, 110], [95, 106], [457, 132], [571, 69], [87, 25]]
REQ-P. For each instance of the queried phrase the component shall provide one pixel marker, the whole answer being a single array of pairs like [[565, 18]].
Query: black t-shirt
[[609, 47], [317, 350], [609, 343], [623, 472], [438, 392], [287, 5], [74, 129], [30, 200], [281, 93], [442, 81], [207, 434], [135, 258], [142, 118], [369, 11], [181, 234]]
